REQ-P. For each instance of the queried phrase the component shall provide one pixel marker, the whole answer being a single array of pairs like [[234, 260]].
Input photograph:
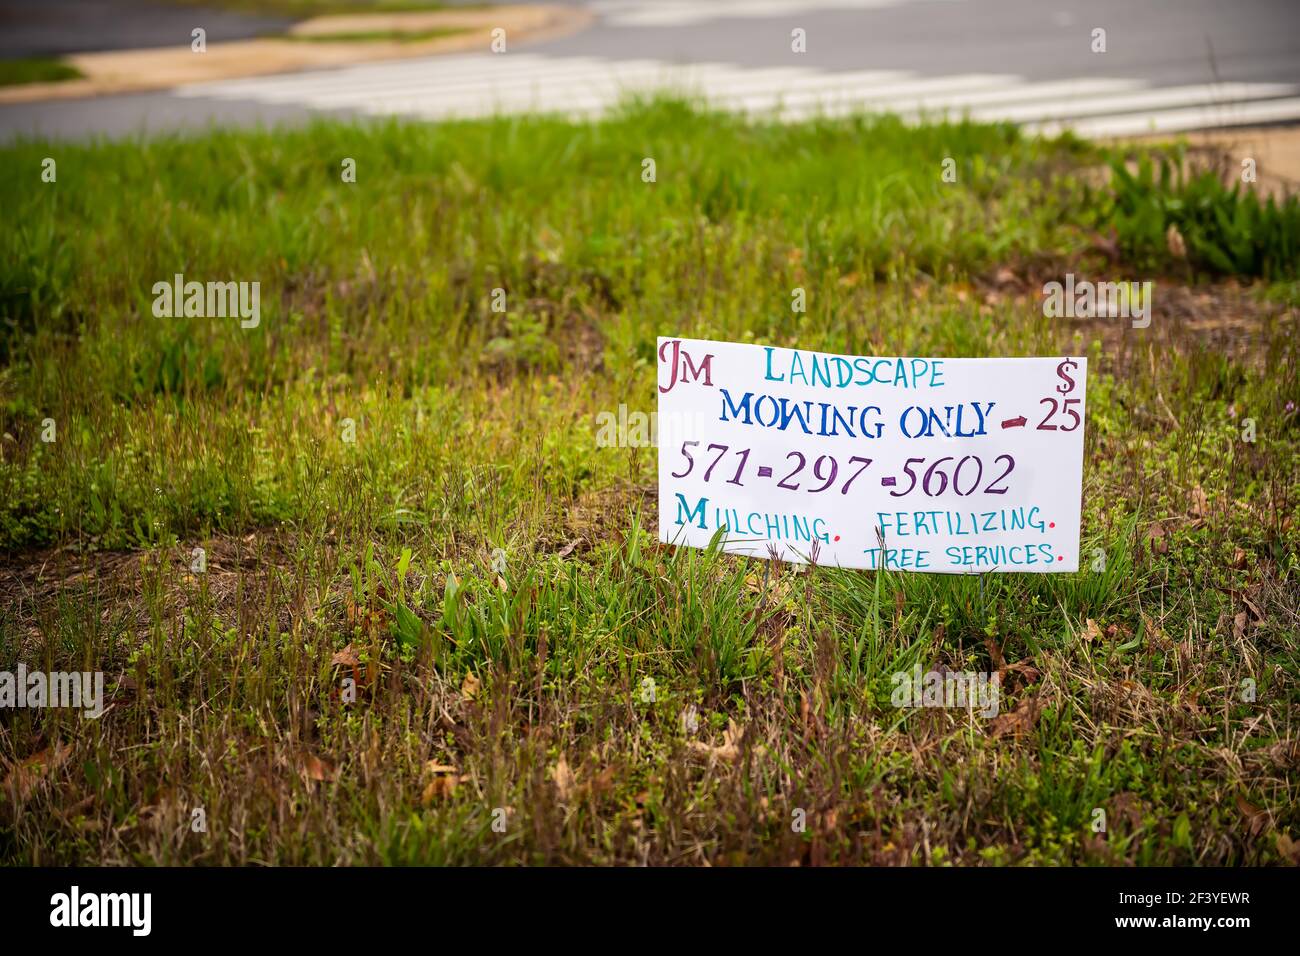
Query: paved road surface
[[1169, 65], [54, 27]]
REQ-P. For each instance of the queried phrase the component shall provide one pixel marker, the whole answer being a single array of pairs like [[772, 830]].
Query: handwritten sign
[[914, 464]]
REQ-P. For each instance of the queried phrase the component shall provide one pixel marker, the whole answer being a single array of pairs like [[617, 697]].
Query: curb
[[139, 71]]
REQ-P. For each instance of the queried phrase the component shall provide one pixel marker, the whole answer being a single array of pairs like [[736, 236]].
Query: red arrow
[[1018, 422]]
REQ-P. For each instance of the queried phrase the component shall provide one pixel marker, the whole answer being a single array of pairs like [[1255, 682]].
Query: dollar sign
[[1068, 387]]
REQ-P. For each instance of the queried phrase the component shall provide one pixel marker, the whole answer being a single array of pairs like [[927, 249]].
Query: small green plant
[[1224, 231], [36, 70]]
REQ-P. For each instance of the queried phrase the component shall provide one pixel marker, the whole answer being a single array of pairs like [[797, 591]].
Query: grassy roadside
[[20, 72], [553, 696], [36, 70]]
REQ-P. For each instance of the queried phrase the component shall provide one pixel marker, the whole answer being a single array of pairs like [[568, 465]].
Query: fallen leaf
[[728, 750], [1199, 503], [1156, 538], [995, 654], [1174, 241], [567, 550], [1257, 819], [1025, 672], [1019, 721], [603, 782], [315, 768], [445, 780], [23, 779], [345, 658], [439, 788], [470, 686], [1239, 625], [1091, 632], [563, 778], [1238, 559]]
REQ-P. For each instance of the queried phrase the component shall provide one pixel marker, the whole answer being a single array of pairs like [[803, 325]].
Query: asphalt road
[[35, 28], [1179, 64]]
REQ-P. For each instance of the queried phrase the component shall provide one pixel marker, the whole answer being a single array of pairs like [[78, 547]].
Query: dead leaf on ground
[[1198, 502], [439, 788], [470, 687], [1174, 241], [603, 782], [995, 654], [1239, 625], [345, 658], [1156, 538], [1091, 632], [728, 750], [1013, 677], [23, 779], [1257, 818], [446, 779], [1019, 721], [563, 777], [567, 550], [317, 768]]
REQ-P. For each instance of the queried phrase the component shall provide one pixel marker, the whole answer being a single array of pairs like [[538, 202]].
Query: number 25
[[1065, 408]]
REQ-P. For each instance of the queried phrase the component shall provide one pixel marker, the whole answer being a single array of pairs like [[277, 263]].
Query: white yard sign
[[916, 464]]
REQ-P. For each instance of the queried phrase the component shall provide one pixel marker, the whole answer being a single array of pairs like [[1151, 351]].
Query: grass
[[36, 70], [605, 698]]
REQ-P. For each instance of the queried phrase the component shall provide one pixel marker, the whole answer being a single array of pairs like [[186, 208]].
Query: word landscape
[[915, 464]]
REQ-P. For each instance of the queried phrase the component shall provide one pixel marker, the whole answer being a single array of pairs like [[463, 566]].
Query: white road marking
[[673, 13], [483, 84]]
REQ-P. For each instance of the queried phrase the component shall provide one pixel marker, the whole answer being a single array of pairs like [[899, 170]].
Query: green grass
[[36, 70], [475, 431]]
